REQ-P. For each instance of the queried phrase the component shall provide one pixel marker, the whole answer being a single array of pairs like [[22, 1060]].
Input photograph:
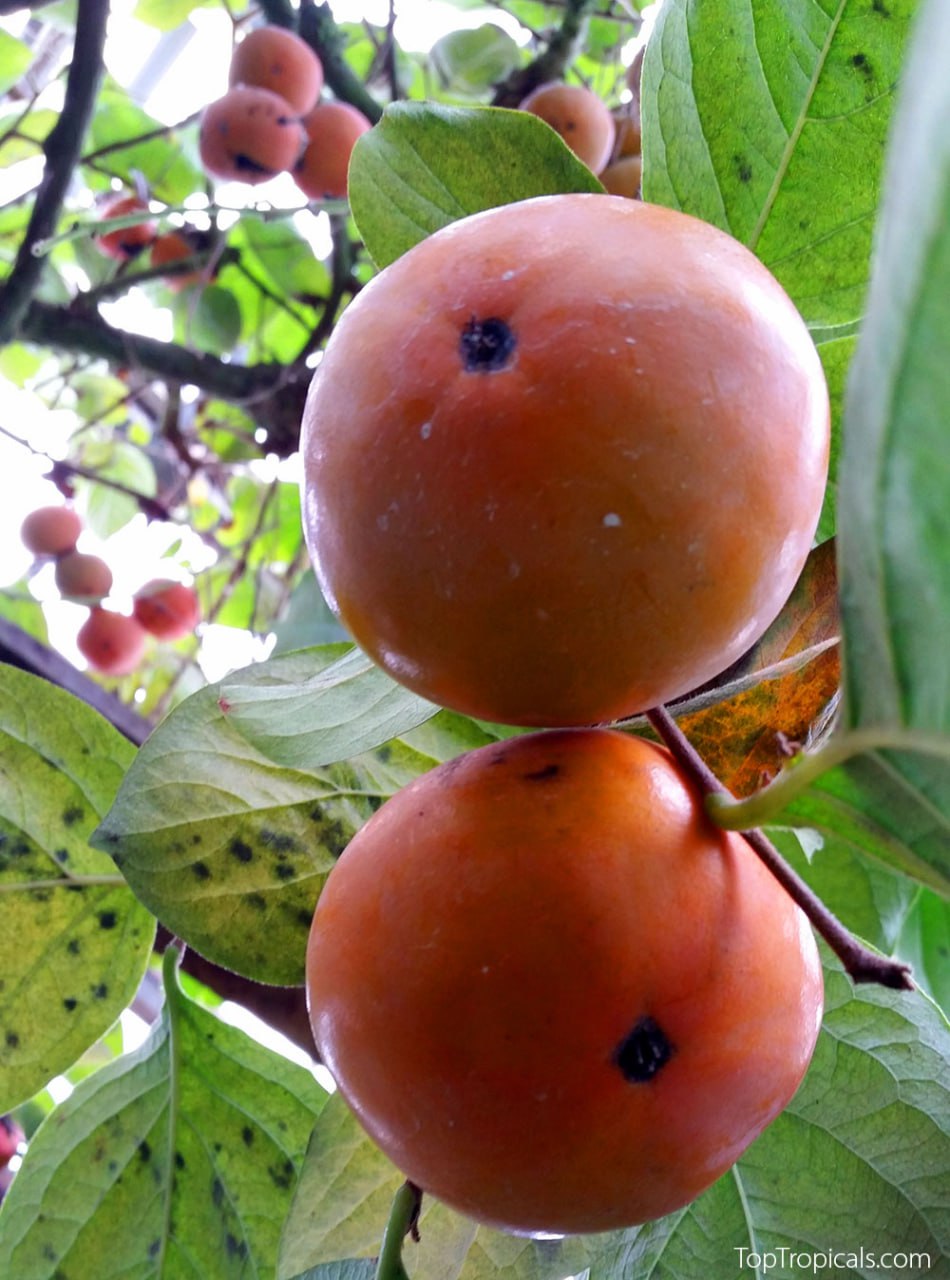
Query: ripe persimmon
[[170, 248], [564, 459], [579, 116], [51, 531], [80, 576], [622, 177], [333, 129], [249, 135], [112, 643], [274, 58], [168, 610], [125, 242], [554, 993]]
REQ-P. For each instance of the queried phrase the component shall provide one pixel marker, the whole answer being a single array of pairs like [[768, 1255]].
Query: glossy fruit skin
[[111, 642], [50, 531], [168, 610], [333, 129], [553, 993], [125, 242], [249, 135], [81, 576], [579, 116], [605, 512], [277, 59]]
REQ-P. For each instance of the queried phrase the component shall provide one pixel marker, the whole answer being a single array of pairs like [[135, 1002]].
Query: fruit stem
[[403, 1221], [860, 962]]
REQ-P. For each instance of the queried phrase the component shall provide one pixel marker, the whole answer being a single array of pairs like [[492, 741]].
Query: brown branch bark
[[61, 150]]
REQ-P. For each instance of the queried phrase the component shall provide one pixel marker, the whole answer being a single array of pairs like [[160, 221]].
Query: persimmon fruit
[[167, 250], [81, 576], [564, 459], [124, 243], [579, 116], [274, 58], [168, 610], [51, 531], [112, 643], [622, 177], [553, 993], [249, 135], [333, 130]]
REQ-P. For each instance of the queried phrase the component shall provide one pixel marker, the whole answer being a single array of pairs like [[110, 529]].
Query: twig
[[860, 963], [62, 153], [320, 31]]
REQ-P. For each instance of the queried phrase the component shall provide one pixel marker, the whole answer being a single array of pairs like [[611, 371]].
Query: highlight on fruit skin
[[51, 531], [579, 116], [333, 130], [83, 577], [555, 995], [167, 610], [275, 58], [582, 471], [111, 643], [250, 135]]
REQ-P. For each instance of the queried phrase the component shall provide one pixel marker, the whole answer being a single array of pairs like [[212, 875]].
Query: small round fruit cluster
[[608, 142], [111, 642], [127, 242], [270, 121]]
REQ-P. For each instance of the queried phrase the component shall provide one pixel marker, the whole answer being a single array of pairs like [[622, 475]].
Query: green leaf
[[165, 15], [15, 57], [108, 509], [230, 851], [792, 166], [424, 166], [471, 61], [894, 515], [925, 944], [860, 1158], [74, 942], [179, 1159], [348, 1269], [304, 713], [209, 319], [147, 148]]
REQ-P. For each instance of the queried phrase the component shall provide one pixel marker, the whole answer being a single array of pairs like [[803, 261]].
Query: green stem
[[402, 1222], [764, 805], [860, 962]]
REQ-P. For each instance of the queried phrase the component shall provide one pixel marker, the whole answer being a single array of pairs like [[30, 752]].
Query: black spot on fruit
[[644, 1052], [487, 346], [543, 775]]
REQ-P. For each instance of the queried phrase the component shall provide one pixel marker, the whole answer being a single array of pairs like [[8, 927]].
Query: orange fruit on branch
[[564, 460], [553, 992]]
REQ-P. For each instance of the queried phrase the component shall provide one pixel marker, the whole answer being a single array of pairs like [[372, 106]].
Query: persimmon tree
[[163, 832]]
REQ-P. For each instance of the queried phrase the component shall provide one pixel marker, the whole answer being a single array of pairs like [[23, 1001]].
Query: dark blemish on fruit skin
[[644, 1052], [487, 346], [72, 815], [244, 164], [243, 852], [107, 919], [543, 775]]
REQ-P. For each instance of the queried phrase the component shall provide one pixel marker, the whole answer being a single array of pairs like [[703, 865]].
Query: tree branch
[[320, 31], [61, 150], [75, 329]]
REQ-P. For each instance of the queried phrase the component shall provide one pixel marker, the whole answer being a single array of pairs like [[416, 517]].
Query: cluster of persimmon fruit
[[272, 119], [607, 141], [163, 249], [563, 463], [112, 643]]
